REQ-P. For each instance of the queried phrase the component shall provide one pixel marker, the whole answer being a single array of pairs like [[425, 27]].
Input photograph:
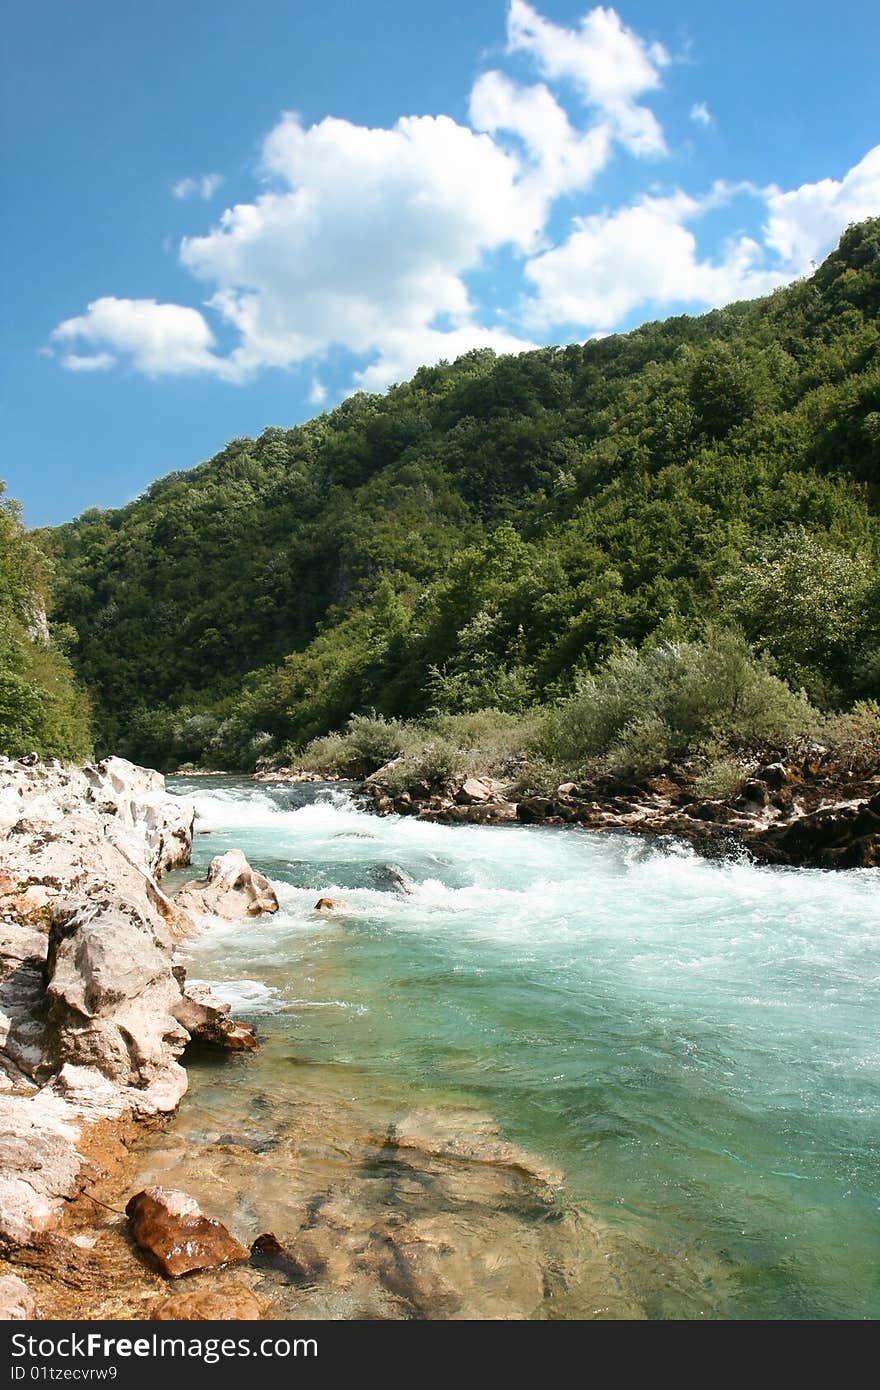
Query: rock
[[756, 792], [329, 904], [232, 890], [267, 1252], [87, 1029], [174, 1230], [472, 791], [469, 1138], [40, 1166], [233, 1302], [843, 836], [112, 999], [390, 876], [16, 1300], [534, 809], [205, 1018], [776, 776]]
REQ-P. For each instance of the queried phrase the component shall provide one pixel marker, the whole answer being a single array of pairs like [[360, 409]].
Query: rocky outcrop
[[172, 1228], [232, 890], [93, 1015]]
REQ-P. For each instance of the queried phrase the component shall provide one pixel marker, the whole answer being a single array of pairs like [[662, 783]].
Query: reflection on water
[[693, 1044]]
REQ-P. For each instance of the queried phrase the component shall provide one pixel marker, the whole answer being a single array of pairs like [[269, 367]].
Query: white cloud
[[203, 187], [366, 244], [158, 339], [645, 255], [804, 222], [562, 160], [96, 362], [608, 64], [369, 240]]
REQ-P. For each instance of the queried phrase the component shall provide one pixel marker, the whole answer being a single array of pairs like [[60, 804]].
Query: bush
[[722, 778], [369, 741], [645, 709], [434, 765], [855, 736]]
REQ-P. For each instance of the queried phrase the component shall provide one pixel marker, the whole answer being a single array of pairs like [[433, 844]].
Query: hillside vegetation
[[493, 533], [41, 709]]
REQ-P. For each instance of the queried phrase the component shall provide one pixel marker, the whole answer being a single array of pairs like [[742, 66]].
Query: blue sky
[[220, 217]]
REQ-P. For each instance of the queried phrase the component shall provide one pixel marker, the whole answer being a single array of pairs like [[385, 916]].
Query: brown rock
[[234, 1303], [472, 791], [205, 1018], [329, 904], [172, 1228]]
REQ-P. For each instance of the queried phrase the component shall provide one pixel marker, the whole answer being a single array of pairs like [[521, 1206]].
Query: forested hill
[[480, 534], [41, 708]]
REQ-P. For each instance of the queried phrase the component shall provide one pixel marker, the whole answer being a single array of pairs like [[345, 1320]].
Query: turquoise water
[[694, 1043]]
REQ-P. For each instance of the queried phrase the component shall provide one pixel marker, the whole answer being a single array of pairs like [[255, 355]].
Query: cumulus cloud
[[203, 187], [804, 222], [608, 65], [643, 255], [96, 362], [158, 339], [373, 240], [365, 244], [561, 159]]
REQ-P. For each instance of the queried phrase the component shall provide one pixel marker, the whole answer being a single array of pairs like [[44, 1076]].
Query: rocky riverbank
[[94, 1011], [801, 809]]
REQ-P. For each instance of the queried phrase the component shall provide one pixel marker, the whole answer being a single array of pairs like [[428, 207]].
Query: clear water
[[694, 1043]]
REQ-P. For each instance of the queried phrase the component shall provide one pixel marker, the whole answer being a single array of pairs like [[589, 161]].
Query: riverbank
[[802, 809]]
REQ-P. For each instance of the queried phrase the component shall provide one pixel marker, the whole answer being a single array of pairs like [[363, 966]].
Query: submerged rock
[[174, 1230], [231, 1303], [329, 904], [232, 889]]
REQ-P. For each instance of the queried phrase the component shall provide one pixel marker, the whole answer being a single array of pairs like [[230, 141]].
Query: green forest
[[42, 710], [577, 539]]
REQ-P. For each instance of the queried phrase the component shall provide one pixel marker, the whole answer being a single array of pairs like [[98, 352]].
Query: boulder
[[206, 1019], [174, 1230], [232, 890], [472, 791], [112, 998], [329, 904]]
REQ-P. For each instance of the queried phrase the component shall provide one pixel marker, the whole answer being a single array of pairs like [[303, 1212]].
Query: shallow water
[[694, 1043]]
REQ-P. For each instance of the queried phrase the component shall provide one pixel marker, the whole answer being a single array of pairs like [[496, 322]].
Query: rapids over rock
[[529, 1071]]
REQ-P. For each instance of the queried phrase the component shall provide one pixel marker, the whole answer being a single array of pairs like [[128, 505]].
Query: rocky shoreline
[[95, 1012], [803, 809]]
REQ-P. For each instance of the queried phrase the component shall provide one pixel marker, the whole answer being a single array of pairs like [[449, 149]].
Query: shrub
[[369, 741], [645, 709], [721, 779], [855, 736]]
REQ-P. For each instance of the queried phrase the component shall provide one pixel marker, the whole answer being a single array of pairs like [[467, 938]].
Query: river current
[[693, 1043]]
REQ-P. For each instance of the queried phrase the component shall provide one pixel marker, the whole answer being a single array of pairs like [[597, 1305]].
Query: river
[[693, 1043]]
